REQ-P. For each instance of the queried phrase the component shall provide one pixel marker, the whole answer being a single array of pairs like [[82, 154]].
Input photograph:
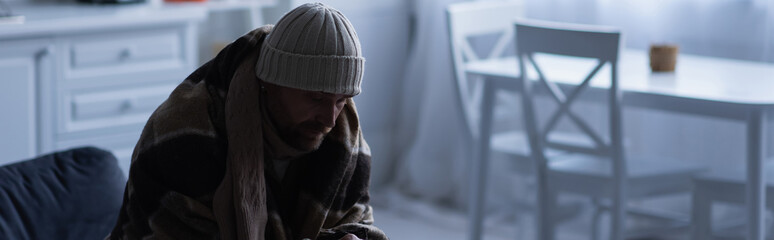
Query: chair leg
[[519, 232], [547, 201], [479, 175], [618, 219], [595, 219], [701, 213]]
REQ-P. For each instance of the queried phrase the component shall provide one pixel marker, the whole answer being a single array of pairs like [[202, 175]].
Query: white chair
[[724, 187], [600, 170], [468, 22]]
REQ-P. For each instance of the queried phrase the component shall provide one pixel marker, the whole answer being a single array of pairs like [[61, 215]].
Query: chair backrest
[[584, 41], [471, 19]]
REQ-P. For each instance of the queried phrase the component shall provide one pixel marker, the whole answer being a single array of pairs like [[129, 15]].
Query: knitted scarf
[[200, 169]]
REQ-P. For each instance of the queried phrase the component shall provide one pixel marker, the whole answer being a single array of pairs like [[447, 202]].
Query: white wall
[[740, 29]]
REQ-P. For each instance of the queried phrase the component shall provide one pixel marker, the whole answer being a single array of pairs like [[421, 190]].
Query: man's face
[[303, 118]]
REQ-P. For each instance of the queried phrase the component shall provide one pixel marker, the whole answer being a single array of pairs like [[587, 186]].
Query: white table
[[705, 86]]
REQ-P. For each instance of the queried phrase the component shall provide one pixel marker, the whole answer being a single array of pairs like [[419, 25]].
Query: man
[[262, 142]]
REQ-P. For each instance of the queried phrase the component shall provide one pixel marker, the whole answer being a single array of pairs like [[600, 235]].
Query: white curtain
[[430, 131], [436, 156]]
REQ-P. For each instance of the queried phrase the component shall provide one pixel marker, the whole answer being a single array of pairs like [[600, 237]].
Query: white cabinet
[[91, 80], [111, 81], [24, 65]]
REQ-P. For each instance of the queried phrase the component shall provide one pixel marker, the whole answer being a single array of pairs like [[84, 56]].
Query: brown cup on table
[[663, 57]]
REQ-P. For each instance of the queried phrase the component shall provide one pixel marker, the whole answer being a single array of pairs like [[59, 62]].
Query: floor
[[403, 225], [405, 219], [408, 226]]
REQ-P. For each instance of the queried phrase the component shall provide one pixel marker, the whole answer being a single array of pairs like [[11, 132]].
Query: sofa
[[72, 194]]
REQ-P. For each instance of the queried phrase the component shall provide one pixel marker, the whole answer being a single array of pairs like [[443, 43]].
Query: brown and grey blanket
[[201, 171]]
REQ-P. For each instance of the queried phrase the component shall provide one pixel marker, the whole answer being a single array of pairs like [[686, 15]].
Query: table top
[[695, 77], [65, 18]]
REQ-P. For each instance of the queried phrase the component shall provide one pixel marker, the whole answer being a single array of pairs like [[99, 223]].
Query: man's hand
[[350, 237]]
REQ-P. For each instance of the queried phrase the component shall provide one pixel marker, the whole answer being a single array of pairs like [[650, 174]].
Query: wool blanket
[[201, 171]]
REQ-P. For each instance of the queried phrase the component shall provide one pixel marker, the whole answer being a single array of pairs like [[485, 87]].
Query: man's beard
[[307, 136]]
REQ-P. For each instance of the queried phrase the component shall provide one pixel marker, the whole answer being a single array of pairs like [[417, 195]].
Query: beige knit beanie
[[315, 48]]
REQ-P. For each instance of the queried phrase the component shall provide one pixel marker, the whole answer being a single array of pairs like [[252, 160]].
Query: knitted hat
[[315, 48]]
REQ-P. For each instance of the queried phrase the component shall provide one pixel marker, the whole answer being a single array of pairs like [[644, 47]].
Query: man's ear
[[261, 84], [269, 88]]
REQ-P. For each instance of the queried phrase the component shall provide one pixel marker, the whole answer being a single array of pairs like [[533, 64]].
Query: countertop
[[51, 18]]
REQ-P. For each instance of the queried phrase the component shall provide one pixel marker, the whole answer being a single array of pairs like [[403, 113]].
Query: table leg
[[479, 175], [756, 196], [701, 212]]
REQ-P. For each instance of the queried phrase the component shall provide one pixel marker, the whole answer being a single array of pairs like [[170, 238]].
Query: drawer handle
[[128, 105], [126, 53]]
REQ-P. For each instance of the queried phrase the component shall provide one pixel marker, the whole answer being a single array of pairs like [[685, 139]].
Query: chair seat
[[736, 232], [736, 175], [729, 185], [511, 142], [587, 174], [516, 143]]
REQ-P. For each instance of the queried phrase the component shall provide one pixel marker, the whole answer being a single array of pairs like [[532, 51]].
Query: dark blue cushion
[[73, 194]]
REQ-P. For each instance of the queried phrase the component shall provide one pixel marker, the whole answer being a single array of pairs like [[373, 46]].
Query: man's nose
[[327, 115]]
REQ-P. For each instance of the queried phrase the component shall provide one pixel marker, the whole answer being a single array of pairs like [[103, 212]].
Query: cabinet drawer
[[120, 51], [137, 51], [113, 108]]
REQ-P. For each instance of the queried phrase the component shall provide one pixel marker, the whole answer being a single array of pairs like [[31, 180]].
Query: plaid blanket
[[200, 169]]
